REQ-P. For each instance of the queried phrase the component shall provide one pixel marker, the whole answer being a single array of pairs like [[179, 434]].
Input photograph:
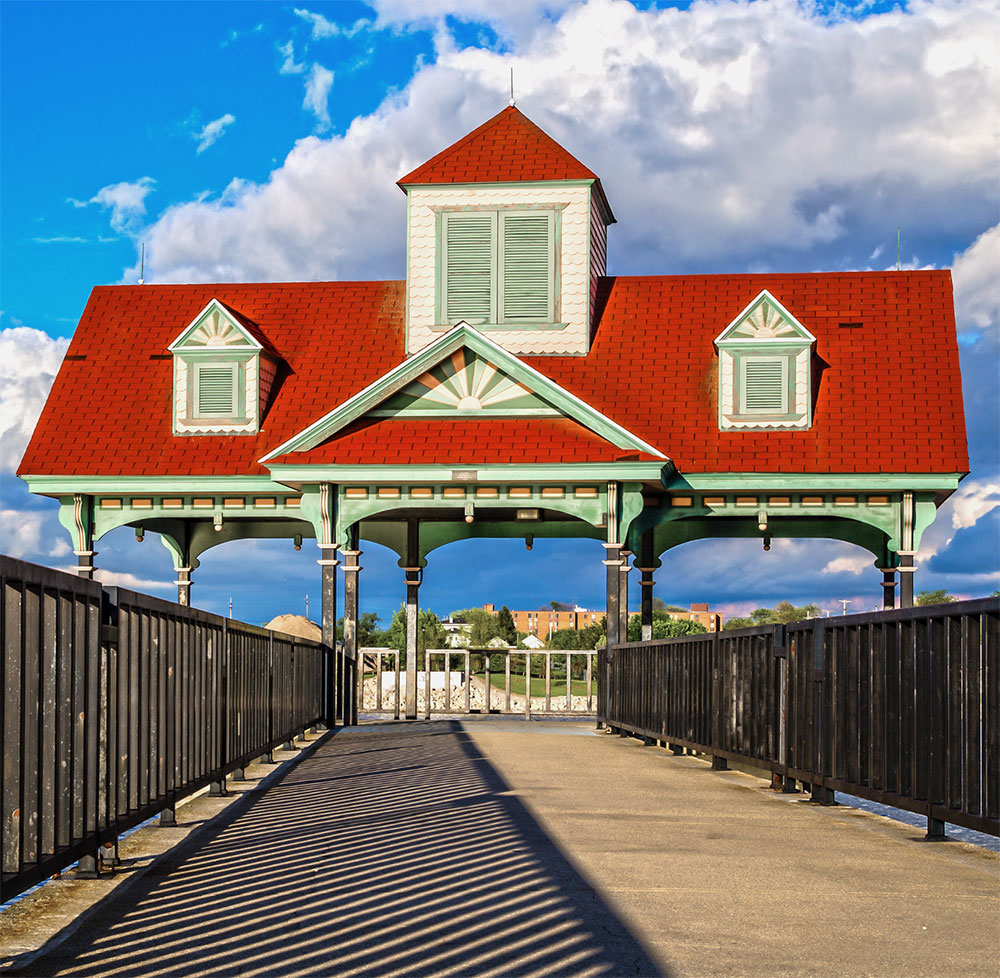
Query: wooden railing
[[900, 707], [116, 705], [462, 692]]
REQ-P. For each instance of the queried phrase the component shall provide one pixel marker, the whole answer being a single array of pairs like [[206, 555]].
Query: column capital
[[348, 568], [328, 563], [611, 563]]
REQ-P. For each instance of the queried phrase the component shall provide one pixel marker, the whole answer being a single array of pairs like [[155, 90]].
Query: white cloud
[[22, 532], [849, 564], [289, 65], [212, 131], [737, 133], [972, 501], [131, 581], [30, 361], [976, 275], [318, 86], [322, 28], [125, 200]]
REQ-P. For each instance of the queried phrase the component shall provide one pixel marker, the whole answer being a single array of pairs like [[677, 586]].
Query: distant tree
[[567, 638], [783, 613], [557, 606], [659, 604], [940, 596], [663, 626], [675, 608], [481, 626], [505, 626], [430, 632], [368, 629]]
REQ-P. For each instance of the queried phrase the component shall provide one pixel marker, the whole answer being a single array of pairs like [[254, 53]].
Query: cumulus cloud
[[210, 133], [322, 28], [318, 86], [125, 200], [972, 501], [128, 580], [849, 564], [31, 359], [289, 66], [728, 136], [976, 275]]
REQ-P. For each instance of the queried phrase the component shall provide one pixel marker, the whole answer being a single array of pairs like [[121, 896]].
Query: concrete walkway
[[501, 847]]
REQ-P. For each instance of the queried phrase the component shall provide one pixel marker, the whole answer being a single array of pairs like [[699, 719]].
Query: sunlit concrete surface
[[505, 847]]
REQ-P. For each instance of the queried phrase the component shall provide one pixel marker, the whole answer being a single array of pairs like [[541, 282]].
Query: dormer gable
[[765, 369], [224, 370], [506, 230]]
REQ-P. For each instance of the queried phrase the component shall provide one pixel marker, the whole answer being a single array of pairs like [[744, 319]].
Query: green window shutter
[[527, 258], [470, 267], [216, 394], [765, 386]]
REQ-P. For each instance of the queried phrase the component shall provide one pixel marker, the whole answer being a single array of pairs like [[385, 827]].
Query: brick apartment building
[[545, 621]]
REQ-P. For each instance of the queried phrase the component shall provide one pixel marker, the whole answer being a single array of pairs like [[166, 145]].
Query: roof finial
[[142, 265], [511, 103]]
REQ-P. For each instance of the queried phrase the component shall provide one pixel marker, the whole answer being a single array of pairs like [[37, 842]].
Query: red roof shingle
[[887, 394]]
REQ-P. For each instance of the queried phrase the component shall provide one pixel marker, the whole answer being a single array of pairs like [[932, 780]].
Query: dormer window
[[498, 267], [764, 369], [222, 374]]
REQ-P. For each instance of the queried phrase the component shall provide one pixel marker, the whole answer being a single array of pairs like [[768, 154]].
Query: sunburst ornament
[[216, 330], [467, 383], [765, 322]]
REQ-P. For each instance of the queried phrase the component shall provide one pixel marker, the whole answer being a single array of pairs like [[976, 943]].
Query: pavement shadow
[[389, 851]]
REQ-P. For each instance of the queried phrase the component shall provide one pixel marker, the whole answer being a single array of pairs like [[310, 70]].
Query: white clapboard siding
[[470, 267]]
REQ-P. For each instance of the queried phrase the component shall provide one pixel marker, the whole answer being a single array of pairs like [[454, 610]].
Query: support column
[[183, 583], [906, 572], [623, 572], [328, 568], [83, 524], [646, 584], [352, 661], [613, 564], [414, 576], [888, 587]]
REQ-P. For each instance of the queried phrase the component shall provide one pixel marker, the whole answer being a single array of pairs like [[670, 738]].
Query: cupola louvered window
[[764, 388], [216, 394], [498, 267]]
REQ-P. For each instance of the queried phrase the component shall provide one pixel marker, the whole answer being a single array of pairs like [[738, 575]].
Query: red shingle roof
[[887, 394], [508, 147]]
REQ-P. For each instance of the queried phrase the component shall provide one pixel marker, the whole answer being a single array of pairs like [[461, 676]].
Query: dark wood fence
[[899, 707], [117, 704]]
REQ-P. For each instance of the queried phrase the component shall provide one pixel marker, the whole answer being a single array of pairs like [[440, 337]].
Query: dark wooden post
[[414, 575], [351, 570], [328, 563], [646, 569], [906, 571], [623, 572], [613, 562], [888, 587]]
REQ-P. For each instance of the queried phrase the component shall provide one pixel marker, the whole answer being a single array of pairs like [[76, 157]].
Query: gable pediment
[[764, 320], [214, 330], [462, 375]]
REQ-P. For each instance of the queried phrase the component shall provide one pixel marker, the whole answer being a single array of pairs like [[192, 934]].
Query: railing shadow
[[387, 851]]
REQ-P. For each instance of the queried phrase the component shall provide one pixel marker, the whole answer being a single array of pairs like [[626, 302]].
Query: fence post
[[821, 732], [719, 763]]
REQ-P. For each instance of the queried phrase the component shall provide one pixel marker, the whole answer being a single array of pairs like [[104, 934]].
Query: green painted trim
[[748, 481], [406, 301], [461, 335], [404, 474], [136, 485]]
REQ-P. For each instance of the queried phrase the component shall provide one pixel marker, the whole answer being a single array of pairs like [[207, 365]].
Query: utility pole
[[844, 602], [307, 607], [230, 607]]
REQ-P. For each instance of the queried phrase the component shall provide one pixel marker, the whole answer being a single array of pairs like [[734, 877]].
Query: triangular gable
[[215, 328], [764, 319], [462, 361]]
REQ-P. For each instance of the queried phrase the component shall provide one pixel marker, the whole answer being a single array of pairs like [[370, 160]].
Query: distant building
[[545, 621], [712, 620]]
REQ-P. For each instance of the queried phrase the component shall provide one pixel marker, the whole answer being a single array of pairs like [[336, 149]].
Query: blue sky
[[253, 141]]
